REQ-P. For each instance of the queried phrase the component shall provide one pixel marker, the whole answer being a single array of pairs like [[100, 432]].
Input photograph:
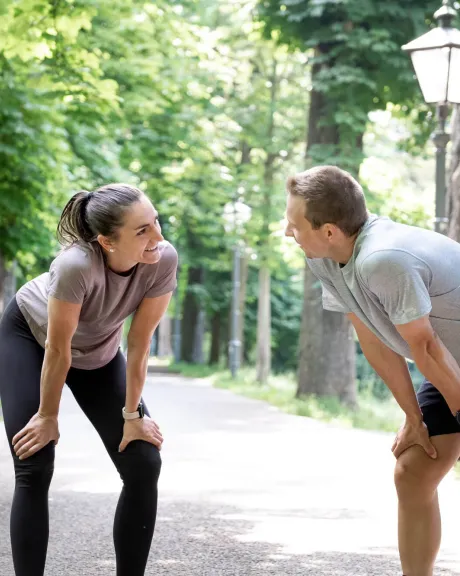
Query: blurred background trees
[[207, 107]]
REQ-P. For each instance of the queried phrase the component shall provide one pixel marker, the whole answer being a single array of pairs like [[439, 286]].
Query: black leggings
[[101, 395]]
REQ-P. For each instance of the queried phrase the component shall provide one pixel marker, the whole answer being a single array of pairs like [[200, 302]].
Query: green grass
[[369, 414]]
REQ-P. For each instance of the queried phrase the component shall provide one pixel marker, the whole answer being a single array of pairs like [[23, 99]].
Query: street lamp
[[436, 60], [236, 215]]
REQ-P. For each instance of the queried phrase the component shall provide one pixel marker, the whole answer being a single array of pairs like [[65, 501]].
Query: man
[[400, 287]]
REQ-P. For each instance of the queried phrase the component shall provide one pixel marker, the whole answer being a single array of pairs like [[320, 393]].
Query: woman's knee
[[35, 472], [140, 464]]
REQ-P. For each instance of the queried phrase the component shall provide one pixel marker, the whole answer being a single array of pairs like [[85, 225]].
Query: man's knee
[[36, 471], [412, 482]]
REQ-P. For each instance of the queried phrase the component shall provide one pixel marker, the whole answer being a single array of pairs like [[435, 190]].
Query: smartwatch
[[139, 413]]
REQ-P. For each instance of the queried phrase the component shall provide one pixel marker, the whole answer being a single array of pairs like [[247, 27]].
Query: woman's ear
[[105, 243]]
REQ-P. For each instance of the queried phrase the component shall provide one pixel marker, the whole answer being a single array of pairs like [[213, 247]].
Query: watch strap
[[139, 413]]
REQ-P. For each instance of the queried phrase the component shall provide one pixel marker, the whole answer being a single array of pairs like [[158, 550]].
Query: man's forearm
[[392, 369], [438, 366], [54, 372], [136, 373]]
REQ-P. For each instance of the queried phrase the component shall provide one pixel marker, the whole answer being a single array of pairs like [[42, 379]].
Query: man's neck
[[344, 254]]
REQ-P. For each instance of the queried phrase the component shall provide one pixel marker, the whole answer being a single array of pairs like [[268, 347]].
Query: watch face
[[141, 410]]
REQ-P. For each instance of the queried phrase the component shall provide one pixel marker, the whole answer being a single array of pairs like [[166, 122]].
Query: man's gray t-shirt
[[79, 275], [397, 274]]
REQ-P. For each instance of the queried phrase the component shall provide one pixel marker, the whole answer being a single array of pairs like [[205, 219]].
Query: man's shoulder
[[389, 260], [393, 247]]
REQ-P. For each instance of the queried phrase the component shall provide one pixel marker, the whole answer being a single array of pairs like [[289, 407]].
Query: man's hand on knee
[[411, 433]]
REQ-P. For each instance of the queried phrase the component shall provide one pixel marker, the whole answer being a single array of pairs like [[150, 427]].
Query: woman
[[65, 326]]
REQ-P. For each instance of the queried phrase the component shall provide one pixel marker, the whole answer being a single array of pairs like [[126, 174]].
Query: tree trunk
[[263, 327], [327, 350], [245, 160], [7, 283], [453, 197], [190, 312], [243, 289], [10, 282], [2, 284], [164, 337], [263, 361], [214, 355], [198, 355]]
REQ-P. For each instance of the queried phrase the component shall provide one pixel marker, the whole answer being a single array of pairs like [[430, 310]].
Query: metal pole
[[441, 139], [234, 344], [176, 337]]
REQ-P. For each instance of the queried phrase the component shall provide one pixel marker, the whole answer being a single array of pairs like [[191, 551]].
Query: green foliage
[[355, 50], [200, 105], [43, 73]]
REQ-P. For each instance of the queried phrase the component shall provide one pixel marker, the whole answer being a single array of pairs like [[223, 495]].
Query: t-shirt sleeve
[[401, 282], [331, 299], [165, 278], [69, 274]]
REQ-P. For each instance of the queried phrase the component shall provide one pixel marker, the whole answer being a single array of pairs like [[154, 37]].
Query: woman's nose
[[158, 236]]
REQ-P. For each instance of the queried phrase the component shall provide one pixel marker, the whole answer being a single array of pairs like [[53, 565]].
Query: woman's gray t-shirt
[[397, 274], [79, 275]]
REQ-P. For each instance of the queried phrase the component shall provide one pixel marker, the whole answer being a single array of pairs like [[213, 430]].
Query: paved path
[[245, 490]]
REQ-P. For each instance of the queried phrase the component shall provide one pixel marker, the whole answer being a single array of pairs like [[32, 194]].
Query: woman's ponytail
[[88, 214], [73, 225]]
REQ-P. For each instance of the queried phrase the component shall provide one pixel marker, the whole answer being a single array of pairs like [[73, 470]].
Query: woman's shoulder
[[77, 258], [169, 256], [160, 278]]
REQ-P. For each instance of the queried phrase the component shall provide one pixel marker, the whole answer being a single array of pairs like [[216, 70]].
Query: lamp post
[[236, 215], [436, 59]]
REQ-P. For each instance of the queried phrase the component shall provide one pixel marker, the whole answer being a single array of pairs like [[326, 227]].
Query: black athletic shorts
[[436, 414]]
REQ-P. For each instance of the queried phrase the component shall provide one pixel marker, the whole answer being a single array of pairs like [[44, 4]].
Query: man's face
[[313, 242]]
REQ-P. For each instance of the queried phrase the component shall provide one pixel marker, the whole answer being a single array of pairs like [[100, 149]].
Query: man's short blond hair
[[332, 196]]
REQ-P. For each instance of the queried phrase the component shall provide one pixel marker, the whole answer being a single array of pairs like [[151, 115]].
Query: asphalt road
[[245, 490]]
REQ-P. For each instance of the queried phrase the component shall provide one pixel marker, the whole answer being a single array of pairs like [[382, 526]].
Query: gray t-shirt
[[397, 274], [79, 275]]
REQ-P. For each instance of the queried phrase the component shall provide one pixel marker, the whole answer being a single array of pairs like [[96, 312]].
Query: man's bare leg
[[417, 477]]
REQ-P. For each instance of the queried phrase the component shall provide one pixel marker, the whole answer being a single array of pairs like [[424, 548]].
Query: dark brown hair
[[88, 214], [332, 196]]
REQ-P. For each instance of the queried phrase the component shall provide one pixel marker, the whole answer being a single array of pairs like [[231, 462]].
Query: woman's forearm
[[136, 372], [56, 365]]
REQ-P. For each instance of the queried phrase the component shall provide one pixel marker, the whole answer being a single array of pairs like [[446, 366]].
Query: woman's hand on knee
[[40, 431], [411, 434], [141, 429]]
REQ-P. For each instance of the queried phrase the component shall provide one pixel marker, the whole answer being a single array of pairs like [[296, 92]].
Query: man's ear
[[328, 230]]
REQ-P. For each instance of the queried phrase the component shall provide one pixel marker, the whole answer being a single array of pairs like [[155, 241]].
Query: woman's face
[[137, 240]]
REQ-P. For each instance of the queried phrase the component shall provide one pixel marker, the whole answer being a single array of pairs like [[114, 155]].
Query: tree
[[43, 69]]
